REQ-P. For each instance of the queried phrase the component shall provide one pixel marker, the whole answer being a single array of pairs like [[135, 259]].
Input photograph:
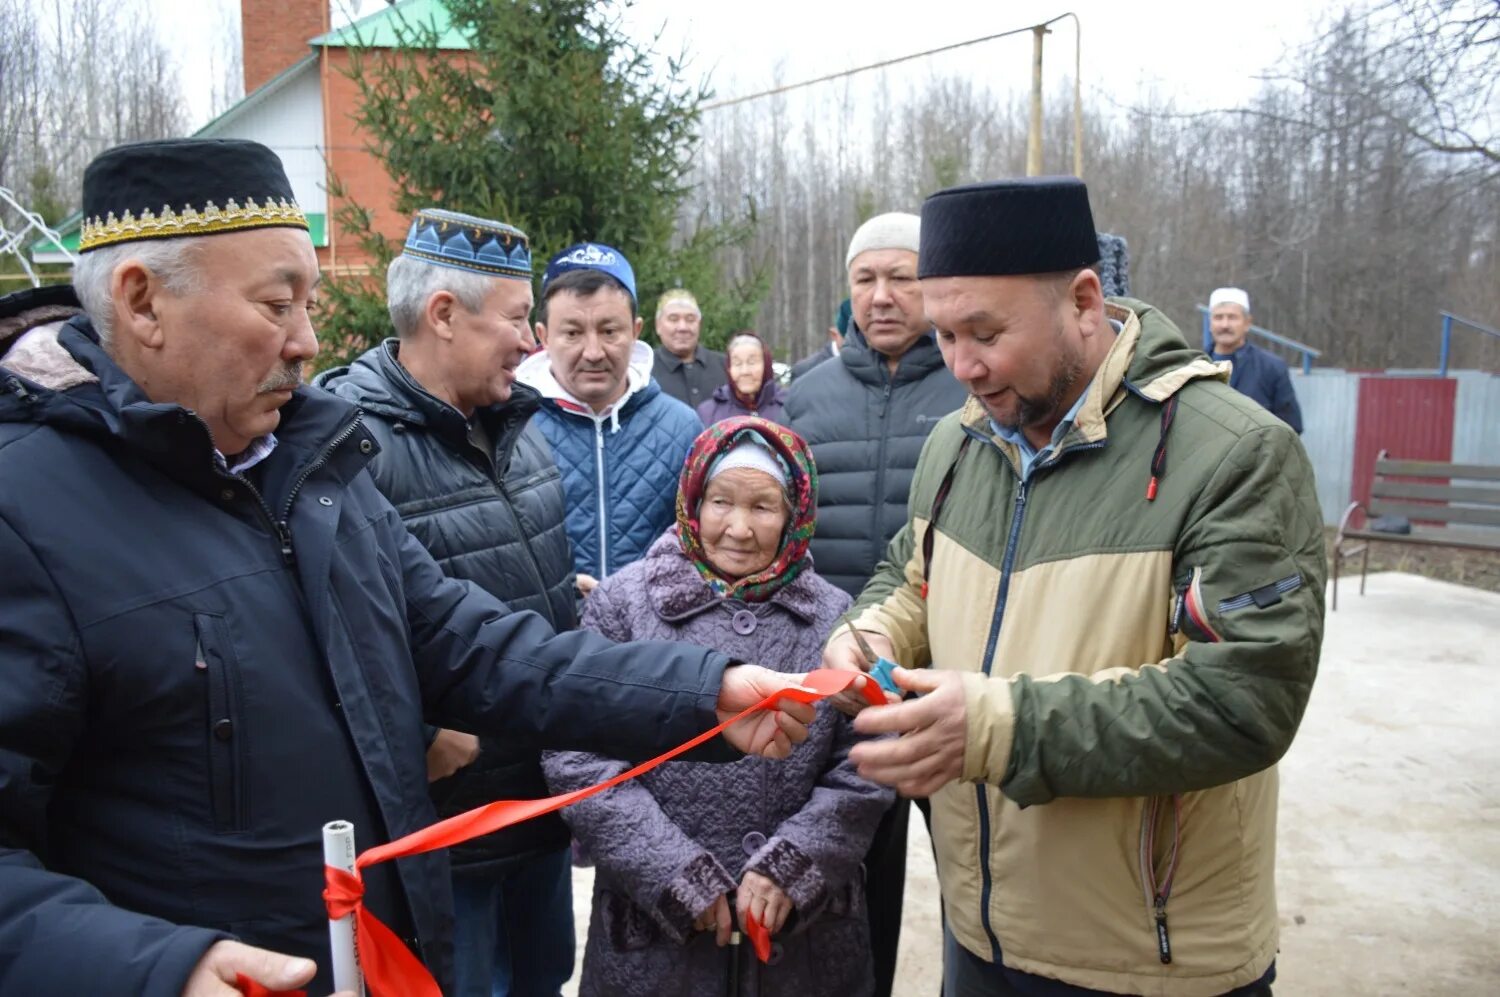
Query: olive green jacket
[[1134, 664]]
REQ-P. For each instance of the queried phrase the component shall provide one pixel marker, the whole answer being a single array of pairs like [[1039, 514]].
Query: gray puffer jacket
[[670, 842], [866, 429], [495, 519]]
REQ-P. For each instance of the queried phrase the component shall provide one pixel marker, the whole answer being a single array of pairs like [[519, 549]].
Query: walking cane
[[734, 964]]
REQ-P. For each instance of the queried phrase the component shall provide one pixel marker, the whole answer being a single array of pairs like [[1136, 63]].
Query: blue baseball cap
[[591, 256]]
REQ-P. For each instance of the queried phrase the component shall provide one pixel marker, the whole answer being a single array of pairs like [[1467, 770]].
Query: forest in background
[[1354, 197], [1349, 197]]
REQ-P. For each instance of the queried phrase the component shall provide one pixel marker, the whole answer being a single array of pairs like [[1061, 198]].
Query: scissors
[[880, 668]]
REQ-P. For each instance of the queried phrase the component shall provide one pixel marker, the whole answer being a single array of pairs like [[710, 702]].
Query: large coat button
[[744, 622], [753, 842]]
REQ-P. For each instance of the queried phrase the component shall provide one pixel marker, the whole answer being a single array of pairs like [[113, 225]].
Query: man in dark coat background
[[1257, 374], [866, 414], [475, 482], [685, 368], [216, 634]]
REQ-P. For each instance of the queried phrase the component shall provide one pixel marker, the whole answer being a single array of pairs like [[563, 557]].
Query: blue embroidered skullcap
[[464, 242], [591, 256]]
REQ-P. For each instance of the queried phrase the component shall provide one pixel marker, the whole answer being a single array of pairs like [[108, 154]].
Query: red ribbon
[[392, 970]]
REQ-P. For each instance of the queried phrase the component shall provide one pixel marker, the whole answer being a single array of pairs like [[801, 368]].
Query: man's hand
[[715, 918], [764, 900], [215, 974], [450, 751], [842, 652], [585, 583], [771, 733], [929, 754]]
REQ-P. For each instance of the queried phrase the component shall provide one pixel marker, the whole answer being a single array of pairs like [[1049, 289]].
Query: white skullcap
[[1229, 296], [751, 454], [894, 230]]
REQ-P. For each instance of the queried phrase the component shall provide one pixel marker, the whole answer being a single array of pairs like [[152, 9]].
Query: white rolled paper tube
[[338, 851]]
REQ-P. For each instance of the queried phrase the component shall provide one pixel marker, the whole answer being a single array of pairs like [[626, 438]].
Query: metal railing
[[1308, 353], [14, 242], [1447, 347]]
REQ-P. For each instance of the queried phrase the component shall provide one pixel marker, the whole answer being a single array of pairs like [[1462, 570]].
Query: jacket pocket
[[224, 730], [1190, 614], [627, 927]]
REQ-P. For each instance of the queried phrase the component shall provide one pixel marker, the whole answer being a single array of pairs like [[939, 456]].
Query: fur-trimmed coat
[[667, 844]]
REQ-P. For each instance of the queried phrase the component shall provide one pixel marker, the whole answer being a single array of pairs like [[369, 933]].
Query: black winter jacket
[[198, 669], [866, 429], [495, 519]]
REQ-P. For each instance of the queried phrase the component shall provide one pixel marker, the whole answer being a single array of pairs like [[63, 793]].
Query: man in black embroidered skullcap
[[1112, 580], [216, 634]]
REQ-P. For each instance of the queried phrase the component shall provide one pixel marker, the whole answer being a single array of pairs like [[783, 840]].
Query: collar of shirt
[[1029, 454], [258, 450]]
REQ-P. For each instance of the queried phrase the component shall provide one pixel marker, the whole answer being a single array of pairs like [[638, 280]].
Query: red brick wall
[[364, 179], [275, 34]]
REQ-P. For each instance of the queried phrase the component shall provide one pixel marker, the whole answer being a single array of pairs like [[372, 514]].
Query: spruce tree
[[555, 121]]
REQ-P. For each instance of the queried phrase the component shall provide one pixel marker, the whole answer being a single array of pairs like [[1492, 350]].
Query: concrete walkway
[[1389, 852]]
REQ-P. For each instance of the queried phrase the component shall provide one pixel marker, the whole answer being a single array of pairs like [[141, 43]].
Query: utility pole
[[1034, 135]]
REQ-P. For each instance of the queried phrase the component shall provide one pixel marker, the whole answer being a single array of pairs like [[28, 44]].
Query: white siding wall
[[290, 121], [1330, 404], [1476, 418]]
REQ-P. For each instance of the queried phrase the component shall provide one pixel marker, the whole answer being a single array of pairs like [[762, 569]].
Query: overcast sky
[[1191, 52]]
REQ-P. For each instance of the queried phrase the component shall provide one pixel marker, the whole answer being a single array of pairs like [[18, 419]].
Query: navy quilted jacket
[[495, 519], [620, 467]]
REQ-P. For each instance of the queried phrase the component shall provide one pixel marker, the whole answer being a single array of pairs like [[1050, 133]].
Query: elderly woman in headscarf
[[752, 387], [686, 852]]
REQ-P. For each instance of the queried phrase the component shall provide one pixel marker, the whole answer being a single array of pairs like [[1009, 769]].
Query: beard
[[1033, 409], [287, 377]]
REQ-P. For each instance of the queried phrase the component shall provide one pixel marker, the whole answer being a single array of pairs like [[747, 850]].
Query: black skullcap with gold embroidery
[[1033, 225], [182, 187]]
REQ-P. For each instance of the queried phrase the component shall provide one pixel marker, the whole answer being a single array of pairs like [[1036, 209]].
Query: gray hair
[[409, 282], [172, 261]]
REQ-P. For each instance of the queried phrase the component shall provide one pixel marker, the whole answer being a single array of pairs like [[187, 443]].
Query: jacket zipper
[[1159, 890], [603, 512], [1007, 564], [282, 527], [877, 534]]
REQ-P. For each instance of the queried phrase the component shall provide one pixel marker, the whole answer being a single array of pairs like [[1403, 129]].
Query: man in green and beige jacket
[[1112, 579]]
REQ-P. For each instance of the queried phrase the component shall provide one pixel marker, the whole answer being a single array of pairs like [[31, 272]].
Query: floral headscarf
[[802, 485]]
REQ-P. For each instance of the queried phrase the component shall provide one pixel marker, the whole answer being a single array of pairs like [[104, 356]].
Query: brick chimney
[[275, 34]]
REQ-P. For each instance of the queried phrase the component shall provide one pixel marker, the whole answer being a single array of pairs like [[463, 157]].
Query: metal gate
[[1409, 417]]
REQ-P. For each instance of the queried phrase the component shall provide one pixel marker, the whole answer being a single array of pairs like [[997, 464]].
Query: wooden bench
[[1463, 510]]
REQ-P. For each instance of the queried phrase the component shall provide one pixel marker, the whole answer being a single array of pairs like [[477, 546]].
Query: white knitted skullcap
[[1229, 296], [894, 230], [750, 454]]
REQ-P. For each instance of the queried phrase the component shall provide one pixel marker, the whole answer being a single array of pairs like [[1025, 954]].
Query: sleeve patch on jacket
[[1264, 597]]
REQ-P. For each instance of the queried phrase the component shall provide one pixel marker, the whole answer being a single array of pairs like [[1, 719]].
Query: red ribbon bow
[[391, 969]]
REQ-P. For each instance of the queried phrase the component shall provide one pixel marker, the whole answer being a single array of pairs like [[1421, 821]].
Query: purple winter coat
[[667, 844], [769, 404]]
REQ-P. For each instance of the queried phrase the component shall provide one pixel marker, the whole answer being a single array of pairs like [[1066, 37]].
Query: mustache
[[286, 378]]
